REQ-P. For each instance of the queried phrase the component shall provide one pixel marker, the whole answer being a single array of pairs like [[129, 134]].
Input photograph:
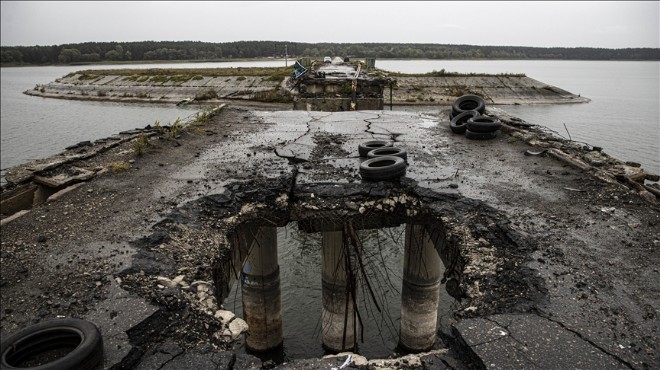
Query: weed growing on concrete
[[101, 93], [158, 127], [160, 79], [202, 118], [240, 78], [119, 166], [141, 144], [175, 129]]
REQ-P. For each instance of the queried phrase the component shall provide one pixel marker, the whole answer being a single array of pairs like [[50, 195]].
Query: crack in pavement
[[579, 335], [171, 359], [510, 335], [393, 136]]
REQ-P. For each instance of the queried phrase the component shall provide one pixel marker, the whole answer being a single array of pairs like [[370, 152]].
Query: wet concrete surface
[[562, 261]]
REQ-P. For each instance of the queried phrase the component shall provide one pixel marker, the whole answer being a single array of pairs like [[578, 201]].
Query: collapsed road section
[[551, 265]]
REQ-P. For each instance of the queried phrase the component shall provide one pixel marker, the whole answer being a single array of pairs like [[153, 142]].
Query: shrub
[[141, 144], [176, 127], [202, 118]]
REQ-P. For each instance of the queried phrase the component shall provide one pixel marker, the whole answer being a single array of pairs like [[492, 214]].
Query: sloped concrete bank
[[554, 257], [206, 89]]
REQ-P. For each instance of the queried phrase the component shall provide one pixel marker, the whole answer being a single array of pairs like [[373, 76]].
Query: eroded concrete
[[532, 235]]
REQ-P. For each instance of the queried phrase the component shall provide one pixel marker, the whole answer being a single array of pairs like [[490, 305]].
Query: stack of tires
[[467, 117], [384, 161]]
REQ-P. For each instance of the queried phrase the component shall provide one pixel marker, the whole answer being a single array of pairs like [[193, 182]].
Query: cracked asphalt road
[[576, 284]]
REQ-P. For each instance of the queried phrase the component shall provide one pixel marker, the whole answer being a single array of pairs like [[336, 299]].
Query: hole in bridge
[[305, 275]]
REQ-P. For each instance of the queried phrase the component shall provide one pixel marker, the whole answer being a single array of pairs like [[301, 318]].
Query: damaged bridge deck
[[557, 268]]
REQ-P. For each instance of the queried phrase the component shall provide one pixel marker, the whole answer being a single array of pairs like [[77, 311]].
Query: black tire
[[63, 343], [480, 135], [368, 146], [457, 124], [380, 152], [468, 102], [383, 168], [483, 124]]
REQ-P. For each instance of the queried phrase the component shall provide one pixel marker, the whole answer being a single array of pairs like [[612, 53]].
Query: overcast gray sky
[[543, 24]]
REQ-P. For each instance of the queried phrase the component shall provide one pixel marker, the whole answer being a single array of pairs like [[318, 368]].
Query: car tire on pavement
[[483, 124], [380, 152], [368, 146], [457, 124], [54, 345], [383, 168], [468, 102]]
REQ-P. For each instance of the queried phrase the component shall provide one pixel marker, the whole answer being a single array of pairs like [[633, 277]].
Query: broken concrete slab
[[59, 181]]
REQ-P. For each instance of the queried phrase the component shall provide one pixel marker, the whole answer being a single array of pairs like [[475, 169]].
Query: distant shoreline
[[292, 60]]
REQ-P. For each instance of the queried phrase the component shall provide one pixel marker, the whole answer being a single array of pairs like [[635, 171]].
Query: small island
[[279, 85]]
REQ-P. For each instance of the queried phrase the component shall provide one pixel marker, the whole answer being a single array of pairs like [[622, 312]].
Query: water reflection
[[301, 295]]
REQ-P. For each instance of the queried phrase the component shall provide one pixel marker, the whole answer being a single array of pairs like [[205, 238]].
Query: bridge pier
[[338, 316], [420, 293], [260, 285]]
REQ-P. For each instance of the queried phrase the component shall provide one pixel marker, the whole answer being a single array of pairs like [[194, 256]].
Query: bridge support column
[[420, 293], [260, 285], [338, 316]]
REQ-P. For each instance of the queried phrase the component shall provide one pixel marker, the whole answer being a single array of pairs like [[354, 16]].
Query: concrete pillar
[[260, 285], [420, 294], [338, 316]]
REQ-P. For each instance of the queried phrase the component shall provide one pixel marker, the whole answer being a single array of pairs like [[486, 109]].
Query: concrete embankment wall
[[408, 90]]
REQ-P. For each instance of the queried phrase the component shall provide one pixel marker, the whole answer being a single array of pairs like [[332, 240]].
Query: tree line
[[90, 52]]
